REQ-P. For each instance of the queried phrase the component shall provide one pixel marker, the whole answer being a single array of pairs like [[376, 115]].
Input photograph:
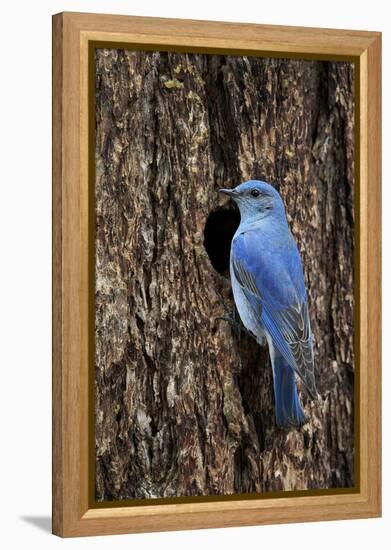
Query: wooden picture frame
[[72, 35]]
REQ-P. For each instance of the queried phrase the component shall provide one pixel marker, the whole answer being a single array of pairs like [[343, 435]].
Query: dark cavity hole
[[220, 227]]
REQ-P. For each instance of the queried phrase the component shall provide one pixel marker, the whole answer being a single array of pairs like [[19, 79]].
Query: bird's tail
[[289, 412]]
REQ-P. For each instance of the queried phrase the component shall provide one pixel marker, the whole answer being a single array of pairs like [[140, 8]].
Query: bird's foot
[[232, 317], [228, 312], [238, 325]]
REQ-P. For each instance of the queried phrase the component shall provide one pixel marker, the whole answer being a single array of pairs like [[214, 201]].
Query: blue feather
[[288, 407]]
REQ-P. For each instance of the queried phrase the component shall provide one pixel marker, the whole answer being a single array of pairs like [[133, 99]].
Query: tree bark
[[183, 402]]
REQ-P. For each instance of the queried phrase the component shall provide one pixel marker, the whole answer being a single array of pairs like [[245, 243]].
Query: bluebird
[[270, 295]]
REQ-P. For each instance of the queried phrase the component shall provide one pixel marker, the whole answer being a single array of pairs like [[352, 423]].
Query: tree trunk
[[184, 403]]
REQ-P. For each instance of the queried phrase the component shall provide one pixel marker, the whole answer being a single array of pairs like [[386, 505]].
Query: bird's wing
[[273, 284]]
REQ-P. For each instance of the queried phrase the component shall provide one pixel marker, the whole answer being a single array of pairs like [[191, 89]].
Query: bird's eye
[[255, 193]]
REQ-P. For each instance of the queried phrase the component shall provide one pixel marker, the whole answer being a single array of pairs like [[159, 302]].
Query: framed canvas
[[216, 356]]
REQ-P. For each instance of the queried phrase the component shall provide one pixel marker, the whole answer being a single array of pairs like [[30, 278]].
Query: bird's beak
[[229, 192]]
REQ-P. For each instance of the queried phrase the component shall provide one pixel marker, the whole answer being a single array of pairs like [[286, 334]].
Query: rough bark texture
[[184, 404]]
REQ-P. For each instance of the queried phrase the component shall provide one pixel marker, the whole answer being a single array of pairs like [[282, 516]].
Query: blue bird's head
[[256, 200]]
